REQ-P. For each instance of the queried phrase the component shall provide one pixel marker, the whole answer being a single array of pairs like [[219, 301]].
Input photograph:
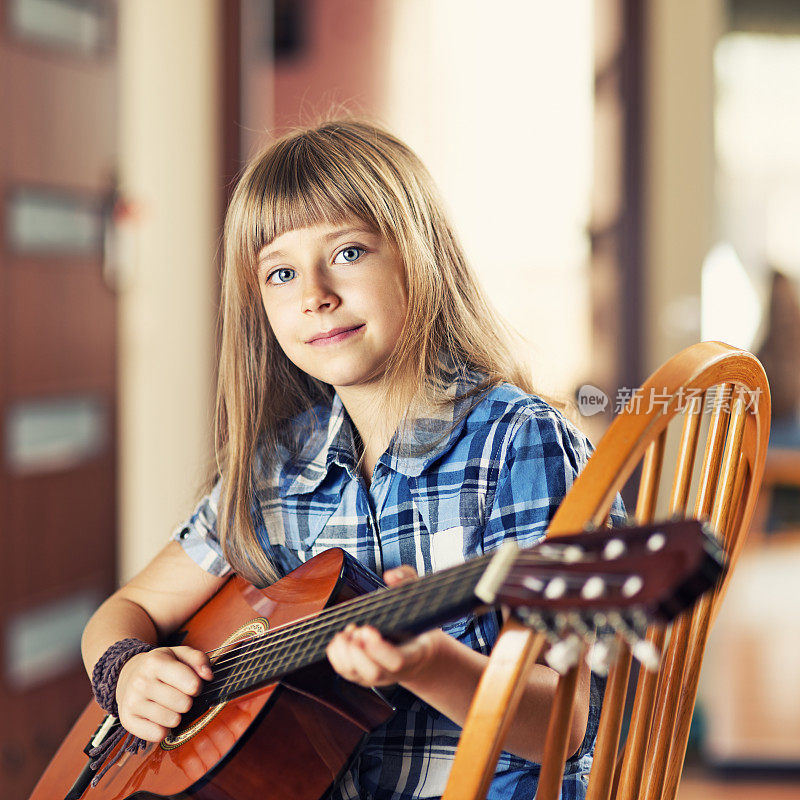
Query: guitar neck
[[396, 613], [655, 571]]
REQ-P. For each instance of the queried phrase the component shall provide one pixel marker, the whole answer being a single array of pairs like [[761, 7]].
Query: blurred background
[[624, 174]]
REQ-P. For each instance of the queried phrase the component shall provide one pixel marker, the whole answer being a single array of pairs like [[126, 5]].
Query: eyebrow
[[274, 254]]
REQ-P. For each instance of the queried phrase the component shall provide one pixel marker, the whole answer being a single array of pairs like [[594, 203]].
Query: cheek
[[277, 323], [387, 304]]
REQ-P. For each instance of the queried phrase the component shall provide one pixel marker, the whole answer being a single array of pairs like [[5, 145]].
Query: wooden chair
[[724, 488]]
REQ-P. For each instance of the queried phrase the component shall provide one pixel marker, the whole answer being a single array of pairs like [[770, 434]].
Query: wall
[[498, 104], [169, 167], [679, 158]]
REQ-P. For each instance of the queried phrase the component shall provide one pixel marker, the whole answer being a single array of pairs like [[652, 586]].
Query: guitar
[[276, 722]]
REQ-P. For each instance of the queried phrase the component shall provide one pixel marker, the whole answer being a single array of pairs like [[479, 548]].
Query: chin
[[347, 377], [344, 372]]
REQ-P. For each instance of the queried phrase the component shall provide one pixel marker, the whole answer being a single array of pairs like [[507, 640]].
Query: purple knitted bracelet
[[106, 671]]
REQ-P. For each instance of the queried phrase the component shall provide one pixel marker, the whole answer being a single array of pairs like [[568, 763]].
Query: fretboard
[[405, 610]]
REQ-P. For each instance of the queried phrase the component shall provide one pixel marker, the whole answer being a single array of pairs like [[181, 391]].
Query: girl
[[367, 399]]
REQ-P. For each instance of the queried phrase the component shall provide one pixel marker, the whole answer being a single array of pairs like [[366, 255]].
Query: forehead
[[312, 235]]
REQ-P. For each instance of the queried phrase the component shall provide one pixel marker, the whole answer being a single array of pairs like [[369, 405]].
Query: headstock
[[614, 580]]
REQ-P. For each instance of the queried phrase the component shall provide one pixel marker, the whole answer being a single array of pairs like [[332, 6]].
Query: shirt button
[[184, 533]]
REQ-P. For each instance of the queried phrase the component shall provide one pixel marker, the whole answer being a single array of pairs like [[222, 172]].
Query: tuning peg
[[564, 654], [578, 624], [656, 541], [533, 619], [593, 588], [633, 631], [614, 549], [647, 654], [567, 554], [553, 630], [556, 588], [602, 654], [633, 585], [604, 649], [632, 626]]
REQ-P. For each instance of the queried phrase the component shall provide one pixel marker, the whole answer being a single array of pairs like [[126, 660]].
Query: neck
[[374, 430]]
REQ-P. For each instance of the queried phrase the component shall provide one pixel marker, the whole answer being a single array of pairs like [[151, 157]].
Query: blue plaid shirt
[[500, 473]]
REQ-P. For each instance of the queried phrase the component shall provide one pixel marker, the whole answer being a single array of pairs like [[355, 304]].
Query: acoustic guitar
[[275, 722]]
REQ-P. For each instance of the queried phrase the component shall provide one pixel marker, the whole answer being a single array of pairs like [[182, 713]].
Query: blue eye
[[281, 275], [356, 251]]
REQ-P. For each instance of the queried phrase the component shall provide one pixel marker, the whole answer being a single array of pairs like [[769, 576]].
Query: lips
[[335, 334]]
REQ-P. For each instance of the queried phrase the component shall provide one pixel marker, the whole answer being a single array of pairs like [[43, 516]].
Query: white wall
[[497, 101], [168, 167], [679, 165]]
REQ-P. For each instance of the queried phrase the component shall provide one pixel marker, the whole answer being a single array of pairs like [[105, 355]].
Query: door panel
[[76, 347], [57, 366], [61, 131]]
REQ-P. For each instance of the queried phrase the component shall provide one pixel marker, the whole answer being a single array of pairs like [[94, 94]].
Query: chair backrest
[[711, 383]]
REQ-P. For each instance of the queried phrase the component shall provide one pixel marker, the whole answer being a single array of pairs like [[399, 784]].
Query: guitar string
[[275, 647], [258, 648], [360, 603], [296, 627], [532, 555], [272, 672], [274, 644], [330, 615], [526, 556]]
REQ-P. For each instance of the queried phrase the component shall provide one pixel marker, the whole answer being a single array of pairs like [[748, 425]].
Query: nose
[[318, 294]]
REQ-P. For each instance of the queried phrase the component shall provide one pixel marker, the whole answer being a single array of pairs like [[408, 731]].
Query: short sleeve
[[198, 535], [544, 457]]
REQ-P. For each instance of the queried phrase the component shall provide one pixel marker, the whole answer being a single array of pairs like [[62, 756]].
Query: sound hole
[[201, 712], [199, 707]]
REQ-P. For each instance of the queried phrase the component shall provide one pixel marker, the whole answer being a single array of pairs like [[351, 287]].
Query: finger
[[338, 652], [383, 654], [169, 697], [157, 714], [168, 669], [196, 659], [360, 668], [400, 575], [144, 728], [348, 659], [370, 660]]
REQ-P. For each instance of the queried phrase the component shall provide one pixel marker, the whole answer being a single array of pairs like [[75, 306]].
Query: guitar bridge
[[100, 734]]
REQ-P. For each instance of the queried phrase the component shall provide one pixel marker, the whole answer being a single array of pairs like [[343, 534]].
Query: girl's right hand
[[156, 687]]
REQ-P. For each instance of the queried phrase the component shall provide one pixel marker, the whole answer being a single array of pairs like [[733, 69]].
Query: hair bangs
[[304, 185]]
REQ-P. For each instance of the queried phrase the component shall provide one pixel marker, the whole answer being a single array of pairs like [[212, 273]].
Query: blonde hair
[[339, 170]]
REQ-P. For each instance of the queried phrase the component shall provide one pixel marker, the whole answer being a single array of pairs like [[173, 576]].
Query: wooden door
[[57, 364]]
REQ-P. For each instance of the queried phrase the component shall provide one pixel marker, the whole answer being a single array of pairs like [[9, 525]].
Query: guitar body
[[289, 740], [276, 723]]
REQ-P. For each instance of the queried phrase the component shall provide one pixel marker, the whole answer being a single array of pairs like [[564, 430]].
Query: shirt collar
[[413, 448], [429, 437], [329, 440]]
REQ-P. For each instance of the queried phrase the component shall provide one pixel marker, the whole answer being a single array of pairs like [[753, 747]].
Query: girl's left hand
[[363, 656]]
